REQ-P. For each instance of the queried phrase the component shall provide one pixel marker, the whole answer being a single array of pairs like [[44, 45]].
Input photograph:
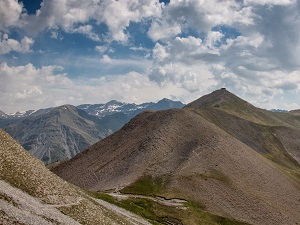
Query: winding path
[[135, 219]]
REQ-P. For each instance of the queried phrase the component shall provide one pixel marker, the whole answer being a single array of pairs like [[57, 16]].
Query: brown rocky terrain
[[274, 135], [233, 159]]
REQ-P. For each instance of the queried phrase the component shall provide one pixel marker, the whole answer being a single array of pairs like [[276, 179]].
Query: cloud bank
[[187, 47]]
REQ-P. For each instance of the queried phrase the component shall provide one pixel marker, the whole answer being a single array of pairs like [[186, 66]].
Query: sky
[[55, 52]]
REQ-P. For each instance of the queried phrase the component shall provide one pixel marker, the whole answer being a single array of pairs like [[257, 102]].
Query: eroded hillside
[[31, 194], [193, 159]]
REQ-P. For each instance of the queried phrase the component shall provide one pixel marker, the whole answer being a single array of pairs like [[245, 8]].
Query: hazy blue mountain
[[279, 110], [56, 135], [59, 133], [112, 107]]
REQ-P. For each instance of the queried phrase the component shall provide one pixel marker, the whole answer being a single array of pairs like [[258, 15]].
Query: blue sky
[[55, 52]]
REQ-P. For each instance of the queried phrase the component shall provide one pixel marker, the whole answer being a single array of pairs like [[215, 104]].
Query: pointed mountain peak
[[219, 99], [165, 103], [65, 108], [223, 100], [165, 100], [114, 102]]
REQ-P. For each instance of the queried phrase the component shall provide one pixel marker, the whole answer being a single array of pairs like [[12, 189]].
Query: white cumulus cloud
[[178, 62], [28, 87], [249, 46], [269, 2], [10, 11], [7, 45], [87, 30], [70, 15], [201, 16]]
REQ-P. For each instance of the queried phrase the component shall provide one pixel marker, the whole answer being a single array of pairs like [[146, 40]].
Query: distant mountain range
[[279, 110], [22, 114], [59, 133], [217, 160], [220, 154], [130, 109]]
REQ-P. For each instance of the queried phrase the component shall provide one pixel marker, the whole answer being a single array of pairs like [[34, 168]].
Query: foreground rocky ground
[[31, 194]]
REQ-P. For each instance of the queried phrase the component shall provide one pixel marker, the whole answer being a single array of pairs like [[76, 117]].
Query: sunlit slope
[[193, 159], [266, 132], [31, 194]]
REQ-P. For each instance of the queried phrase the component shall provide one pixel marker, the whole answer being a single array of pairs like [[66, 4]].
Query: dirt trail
[[70, 204], [135, 219], [168, 202]]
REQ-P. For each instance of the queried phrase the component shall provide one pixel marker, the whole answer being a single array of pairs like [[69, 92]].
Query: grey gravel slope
[[31, 194], [276, 135], [195, 159]]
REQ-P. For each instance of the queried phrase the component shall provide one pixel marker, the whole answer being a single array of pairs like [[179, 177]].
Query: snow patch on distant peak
[[21, 113], [114, 106]]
